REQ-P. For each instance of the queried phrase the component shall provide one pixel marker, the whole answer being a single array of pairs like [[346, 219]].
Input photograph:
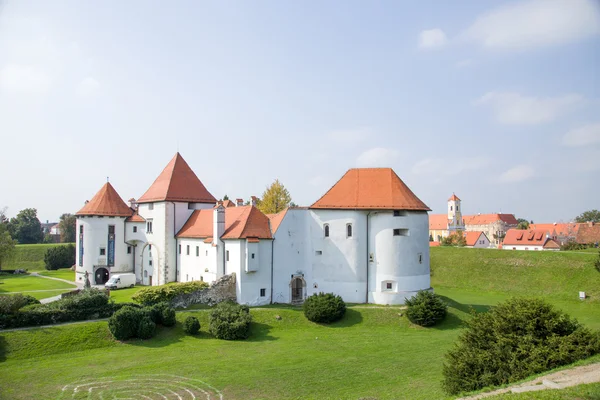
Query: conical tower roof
[[370, 189], [106, 202], [177, 182]]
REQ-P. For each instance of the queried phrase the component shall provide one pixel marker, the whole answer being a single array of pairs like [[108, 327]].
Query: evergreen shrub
[[191, 325], [426, 308], [59, 257], [516, 339], [157, 294], [230, 321], [324, 308]]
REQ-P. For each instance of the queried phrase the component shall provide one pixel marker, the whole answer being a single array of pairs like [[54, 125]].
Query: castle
[[366, 239]]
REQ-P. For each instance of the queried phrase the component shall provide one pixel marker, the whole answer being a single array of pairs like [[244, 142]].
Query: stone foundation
[[222, 289]]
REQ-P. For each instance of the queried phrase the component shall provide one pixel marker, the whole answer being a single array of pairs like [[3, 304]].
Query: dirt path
[[556, 380]]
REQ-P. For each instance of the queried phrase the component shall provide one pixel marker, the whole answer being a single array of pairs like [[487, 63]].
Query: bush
[[514, 340], [230, 321], [426, 309], [10, 304], [324, 307], [157, 294], [191, 325], [161, 314], [59, 257], [146, 328], [124, 324], [597, 263]]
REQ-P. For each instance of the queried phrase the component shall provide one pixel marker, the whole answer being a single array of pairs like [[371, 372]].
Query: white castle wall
[[249, 284], [192, 267]]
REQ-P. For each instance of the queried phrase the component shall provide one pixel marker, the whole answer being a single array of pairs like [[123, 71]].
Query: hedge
[[426, 308], [60, 257], [324, 307], [165, 293], [230, 321]]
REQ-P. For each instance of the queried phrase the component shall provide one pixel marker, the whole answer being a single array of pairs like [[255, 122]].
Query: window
[[111, 229], [201, 278], [206, 253], [128, 249], [400, 232], [150, 262], [145, 274], [450, 208], [388, 285], [102, 251], [134, 229], [263, 292], [186, 278], [149, 226], [348, 230], [253, 256], [420, 258], [187, 250], [150, 206], [197, 251], [457, 207], [318, 252], [326, 229], [191, 206], [227, 255], [179, 249], [149, 247], [399, 213], [81, 229]]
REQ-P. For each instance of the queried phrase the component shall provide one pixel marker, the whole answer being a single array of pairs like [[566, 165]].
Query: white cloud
[[88, 87], [518, 174], [15, 78], [448, 167], [582, 136], [516, 109], [535, 23], [350, 136], [377, 157], [432, 38]]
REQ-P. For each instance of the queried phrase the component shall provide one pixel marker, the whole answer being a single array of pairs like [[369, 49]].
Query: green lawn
[[124, 295], [63, 273], [374, 352], [581, 392], [27, 284], [30, 256]]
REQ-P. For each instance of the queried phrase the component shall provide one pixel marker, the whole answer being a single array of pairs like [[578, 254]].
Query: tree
[[225, 197], [588, 216], [523, 224], [26, 227], [455, 239], [67, 226], [7, 243], [274, 199]]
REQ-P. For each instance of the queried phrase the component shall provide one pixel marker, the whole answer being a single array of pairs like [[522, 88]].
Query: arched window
[[326, 229], [450, 208], [349, 230]]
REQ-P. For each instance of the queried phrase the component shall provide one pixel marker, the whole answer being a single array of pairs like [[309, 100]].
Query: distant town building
[[559, 232], [477, 239], [535, 239], [588, 233]]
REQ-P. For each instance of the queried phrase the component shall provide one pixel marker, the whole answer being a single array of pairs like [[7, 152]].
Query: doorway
[[101, 276], [297, 290]]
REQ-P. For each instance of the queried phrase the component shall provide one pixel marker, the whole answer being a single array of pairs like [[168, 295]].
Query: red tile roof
[[177, 182], [368, 189], [453, 198], [240, 223], [106, 202], [135, 218], [484, 219], [438, 222], [588, 233], [228, 203], [561, 229], [434, 244], [276, 220], [532, 237], [472, 237]]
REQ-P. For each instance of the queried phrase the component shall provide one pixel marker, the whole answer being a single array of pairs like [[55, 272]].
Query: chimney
[[218, 223], [133, 203], [239, 202], [253, 200], [87, 201], [590, 223]]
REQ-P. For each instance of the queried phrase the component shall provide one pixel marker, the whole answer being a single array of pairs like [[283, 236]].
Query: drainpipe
[[175, 237], [272, 245], [367, 295]]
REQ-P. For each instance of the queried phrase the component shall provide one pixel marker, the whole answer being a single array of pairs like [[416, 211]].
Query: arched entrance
[[297, 286], [101, 276]]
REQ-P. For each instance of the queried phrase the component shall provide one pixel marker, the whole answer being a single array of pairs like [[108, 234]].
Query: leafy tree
[[225, 197], [7, 244], [523, 224], [588, 216], [430, 237], [455, 239], [67, 226], [26, 227], [275, 198]]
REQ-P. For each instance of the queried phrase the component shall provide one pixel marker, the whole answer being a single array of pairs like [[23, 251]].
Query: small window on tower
[[149, 247], [128, 249], [263, 292], [388, 286], [102, 251], [227, 255], [187, 250], [348, 230], [150, 206], [420, 258], [145, 274], [206, 253], [457, 208], [111, 229], [134, 229], [253, 256], [450, 208], [326, 230], [81, 229], [197, 251], [400, 213], [150, 262], [400, 232]]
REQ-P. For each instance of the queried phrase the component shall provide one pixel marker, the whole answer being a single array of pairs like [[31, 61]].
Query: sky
[[496, 101]]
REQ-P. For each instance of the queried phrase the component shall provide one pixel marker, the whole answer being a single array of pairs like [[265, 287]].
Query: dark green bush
[[426, 308], [230, 321], [597, 263], [191, 325], [60, 257], [324, 307], [514, 340], [124, 324], [146, 328], [10, 304], [157, 294]]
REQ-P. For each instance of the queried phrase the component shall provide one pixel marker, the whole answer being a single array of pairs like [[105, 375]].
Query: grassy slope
[[581, 392], [27, 284], [63, 273], [29, 256], [124, 295]]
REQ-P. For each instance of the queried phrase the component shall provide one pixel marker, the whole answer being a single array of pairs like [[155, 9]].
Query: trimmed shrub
[[124, 324], [157, 294], [514, 340], [230, 321], [146, 328], [161, 314], [191, 325], [324, 308], [59, 257], [10, 304], [426, 309]]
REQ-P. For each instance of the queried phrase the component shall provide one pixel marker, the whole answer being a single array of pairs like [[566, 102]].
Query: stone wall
[[222, 289]]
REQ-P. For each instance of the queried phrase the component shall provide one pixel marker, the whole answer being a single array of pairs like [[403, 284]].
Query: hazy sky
[[496, 101]]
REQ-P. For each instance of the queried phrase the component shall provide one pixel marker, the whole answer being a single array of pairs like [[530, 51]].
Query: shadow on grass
[[453, 320], [2, 349], [260, 333], [352, 317]]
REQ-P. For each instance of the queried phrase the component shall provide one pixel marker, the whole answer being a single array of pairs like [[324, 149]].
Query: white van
[[120, 281]]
